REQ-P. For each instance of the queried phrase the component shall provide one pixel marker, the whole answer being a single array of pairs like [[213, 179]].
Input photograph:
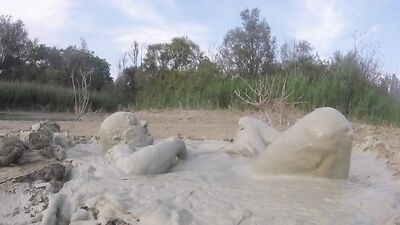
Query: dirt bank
[[196, 124]]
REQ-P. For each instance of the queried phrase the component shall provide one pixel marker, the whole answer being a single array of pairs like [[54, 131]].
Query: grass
[[187, 90], [37, 97]]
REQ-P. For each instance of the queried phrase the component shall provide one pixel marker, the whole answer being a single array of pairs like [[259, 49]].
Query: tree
[[366, 57], [134, 54], [45, 65], [14, 47], [81, 59], [181, 54], [185, 54], [297, 55], [125, 85], [207, 67], [157, 57], [23, 59], [349, 69], [249, 49]]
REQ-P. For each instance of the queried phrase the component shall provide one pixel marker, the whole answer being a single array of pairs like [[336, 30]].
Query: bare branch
[[262, 96], [81, 93]]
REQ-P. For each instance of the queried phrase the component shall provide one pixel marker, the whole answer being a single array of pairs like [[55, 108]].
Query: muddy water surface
[[214, 188]]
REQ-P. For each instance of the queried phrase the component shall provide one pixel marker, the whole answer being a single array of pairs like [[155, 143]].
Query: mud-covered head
[[124, 128]]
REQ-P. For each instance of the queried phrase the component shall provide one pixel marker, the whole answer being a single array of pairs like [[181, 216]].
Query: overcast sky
[[109, 26]]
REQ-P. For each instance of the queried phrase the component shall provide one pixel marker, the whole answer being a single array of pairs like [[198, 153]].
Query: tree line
[[23, 59], [251, 50], [248, 50]]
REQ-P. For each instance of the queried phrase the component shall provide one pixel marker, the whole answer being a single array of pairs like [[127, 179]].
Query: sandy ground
[[194, 124], [206, 124]]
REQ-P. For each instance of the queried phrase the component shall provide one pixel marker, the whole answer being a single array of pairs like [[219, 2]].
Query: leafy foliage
[[298, 56], [24, 60], [75, 59], [181, 54], [249, 49], [14, 47]]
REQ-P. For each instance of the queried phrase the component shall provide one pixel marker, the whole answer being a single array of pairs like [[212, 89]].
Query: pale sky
[[109, 26]]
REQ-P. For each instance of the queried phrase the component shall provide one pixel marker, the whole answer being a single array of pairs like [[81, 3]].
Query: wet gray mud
[[211, 187]]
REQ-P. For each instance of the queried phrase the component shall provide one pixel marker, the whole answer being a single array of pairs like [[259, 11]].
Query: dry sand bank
[[196, 124]]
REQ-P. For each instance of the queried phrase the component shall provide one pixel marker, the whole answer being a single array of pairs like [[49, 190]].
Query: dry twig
[[262, 97]]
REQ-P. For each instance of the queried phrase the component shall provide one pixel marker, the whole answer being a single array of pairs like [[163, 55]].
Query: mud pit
[[211, 187]]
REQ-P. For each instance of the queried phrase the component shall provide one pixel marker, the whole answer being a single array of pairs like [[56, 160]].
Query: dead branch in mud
[[263, 97], [80, 87]]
